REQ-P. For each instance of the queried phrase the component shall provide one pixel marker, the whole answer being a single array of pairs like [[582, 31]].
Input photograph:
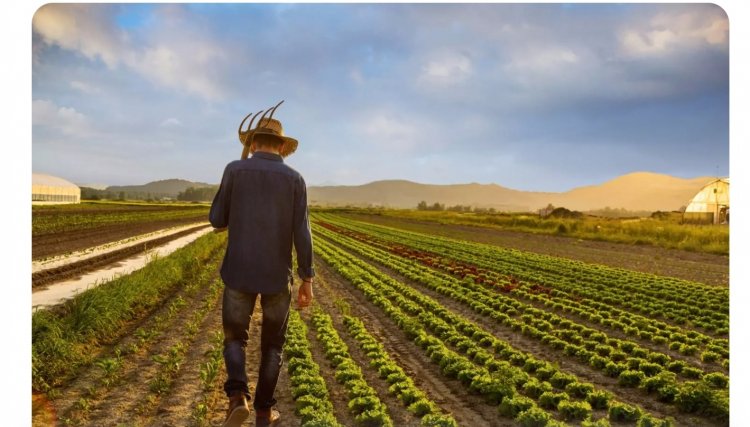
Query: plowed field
[[408, 329]]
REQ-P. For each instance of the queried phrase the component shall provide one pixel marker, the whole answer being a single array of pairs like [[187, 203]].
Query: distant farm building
[[710, 205], [51, 189]]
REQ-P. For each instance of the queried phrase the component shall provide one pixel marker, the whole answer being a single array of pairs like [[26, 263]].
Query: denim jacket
[[263, 202]]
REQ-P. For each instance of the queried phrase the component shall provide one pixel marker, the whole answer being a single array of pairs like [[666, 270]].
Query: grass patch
[[69, 336]]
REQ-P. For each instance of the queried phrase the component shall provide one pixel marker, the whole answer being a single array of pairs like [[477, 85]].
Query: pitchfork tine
[[243, 122], [250, 126], [273, 110], [263, 117]]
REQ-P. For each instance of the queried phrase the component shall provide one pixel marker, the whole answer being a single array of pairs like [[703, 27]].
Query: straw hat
[[267, 128]]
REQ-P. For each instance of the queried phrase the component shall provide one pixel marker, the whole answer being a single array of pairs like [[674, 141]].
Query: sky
[[531, 97]]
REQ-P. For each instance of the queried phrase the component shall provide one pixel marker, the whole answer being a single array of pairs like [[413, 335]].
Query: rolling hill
[[156, 189], [639, 191]]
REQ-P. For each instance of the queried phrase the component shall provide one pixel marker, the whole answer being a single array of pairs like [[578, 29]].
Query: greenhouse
[[710, 205], [51, 189]]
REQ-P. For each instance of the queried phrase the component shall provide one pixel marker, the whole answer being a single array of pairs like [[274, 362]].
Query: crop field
[[58, 229], [407, 329]]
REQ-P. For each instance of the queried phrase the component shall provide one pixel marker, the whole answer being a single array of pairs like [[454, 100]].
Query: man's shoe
[[266, 417], [238, 410]]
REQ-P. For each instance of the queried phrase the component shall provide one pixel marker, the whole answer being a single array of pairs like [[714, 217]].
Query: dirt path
[[451, 395], [699, 267]]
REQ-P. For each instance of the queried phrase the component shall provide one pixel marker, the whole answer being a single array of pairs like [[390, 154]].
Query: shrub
[[493, 388], [532, 365], [544, 373], [691, 372], [649, 421], [598, 362], [378, 417], [574, 410], [614, 369], [660, 358], [599, 399], [627, 346], [716, 380], [688, 349], [668, 392], [438, 420], [533, 417], [578, 389], [676, 366], [603, 349], [550, 400], [512, 406], [658, 381], [619, 411], [650, 369], [420, 407], [534, 388], [710, 356], [634, 362], [561, 379], [630, 378], [601, 422], [698, 397]]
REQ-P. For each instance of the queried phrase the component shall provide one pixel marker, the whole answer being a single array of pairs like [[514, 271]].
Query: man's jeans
[[237, 310]]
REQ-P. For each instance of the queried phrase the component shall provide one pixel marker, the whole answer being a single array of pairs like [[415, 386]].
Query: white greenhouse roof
[[50, 181], [712, 195]]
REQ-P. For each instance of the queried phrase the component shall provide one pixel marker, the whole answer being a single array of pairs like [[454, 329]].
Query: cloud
[[668, 31], [59, 120], [171, 122], [84, 87], [447, 68], [81, 28], [391, 131], [543, 60], [173, 54]]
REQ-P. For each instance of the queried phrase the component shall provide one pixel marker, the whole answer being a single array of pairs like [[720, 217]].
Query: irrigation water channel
[[58, 292]]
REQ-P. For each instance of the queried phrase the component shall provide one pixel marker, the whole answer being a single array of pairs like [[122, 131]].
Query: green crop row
[[677, 300], [686, 342], [313, 403], [561, 334], [415, 313], [363, 399], [69, 336], [401, 385], [46, 223]]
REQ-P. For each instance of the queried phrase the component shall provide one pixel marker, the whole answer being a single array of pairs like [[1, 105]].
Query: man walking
[[262, 203]]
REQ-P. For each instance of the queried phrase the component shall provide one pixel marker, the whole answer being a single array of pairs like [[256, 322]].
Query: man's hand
[[305, 294]]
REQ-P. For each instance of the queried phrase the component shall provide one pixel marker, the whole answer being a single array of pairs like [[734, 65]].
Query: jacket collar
[[268, 156]]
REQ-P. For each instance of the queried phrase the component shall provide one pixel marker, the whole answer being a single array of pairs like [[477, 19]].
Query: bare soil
[[59, 243], [695, 266], [40, 279]]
